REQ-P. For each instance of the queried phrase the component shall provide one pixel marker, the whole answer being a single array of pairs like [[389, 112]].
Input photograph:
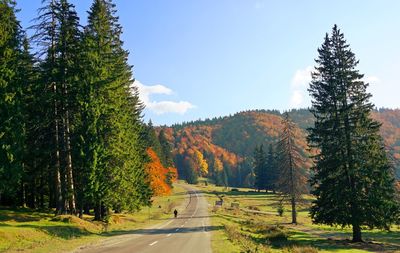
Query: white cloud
[[161, 107], [299, 85]]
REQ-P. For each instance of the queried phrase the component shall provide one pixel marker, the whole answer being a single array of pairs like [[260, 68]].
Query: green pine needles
[[353, 179], [71, 120]]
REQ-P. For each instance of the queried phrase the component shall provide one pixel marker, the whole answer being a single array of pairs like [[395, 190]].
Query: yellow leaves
[[201, 163]]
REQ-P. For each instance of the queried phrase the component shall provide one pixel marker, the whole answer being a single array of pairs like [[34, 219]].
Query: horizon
[[185, 53], [375, 109]]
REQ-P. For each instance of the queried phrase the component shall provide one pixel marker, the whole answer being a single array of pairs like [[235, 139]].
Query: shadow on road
[[176, 230]]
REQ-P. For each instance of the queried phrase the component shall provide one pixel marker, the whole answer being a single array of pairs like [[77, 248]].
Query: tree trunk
[[86, 209], [59, 197], [357, 233], [68, 157], [97, 211], [294, 212], [23, 194]]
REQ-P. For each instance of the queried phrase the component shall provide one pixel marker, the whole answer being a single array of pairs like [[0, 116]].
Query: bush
[[254, 208], [234, 190], [244, 241], [280, 209], [300, 249]]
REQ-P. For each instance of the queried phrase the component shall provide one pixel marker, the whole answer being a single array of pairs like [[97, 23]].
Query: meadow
[[256, 226]]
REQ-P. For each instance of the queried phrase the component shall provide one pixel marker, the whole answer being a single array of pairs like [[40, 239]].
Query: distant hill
[[232, 139]]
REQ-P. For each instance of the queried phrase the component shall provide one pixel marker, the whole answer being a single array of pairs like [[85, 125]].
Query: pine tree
[[15, 81], [271, 170], [113, 148], [352, 181], [260, 168], [166, 149], [291, 182]]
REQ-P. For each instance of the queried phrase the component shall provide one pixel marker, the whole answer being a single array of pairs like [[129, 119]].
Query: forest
[[72, 138], [230, 141]]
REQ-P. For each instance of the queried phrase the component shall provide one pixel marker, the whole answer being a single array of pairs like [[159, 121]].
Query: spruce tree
[[58, 39], [292, 181], [166, 149], [260, 168], [12, 87], [111, 119], [271, 170], [352, 180]]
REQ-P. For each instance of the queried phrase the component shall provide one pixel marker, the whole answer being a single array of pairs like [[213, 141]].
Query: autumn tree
[[352, 179], [200, 164], [291, 182], [157, 175], [220, 177]]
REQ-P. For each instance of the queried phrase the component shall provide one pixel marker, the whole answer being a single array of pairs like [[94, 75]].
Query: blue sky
[[199, 59]]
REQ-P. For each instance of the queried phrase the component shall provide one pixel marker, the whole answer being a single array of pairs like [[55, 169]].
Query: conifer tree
[[271, 170], [111, 123], [12, 135], [260, 168], [58, 38], [291, 182], [352, 181], [166, 149]]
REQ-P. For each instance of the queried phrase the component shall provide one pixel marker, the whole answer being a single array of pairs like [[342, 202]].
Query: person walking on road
[[175, 213]]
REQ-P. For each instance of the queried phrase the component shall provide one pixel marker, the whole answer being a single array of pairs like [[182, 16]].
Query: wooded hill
[[231, 140]]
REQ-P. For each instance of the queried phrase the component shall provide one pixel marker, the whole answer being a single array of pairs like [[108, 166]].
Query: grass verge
[[256, 227], [31, 231]]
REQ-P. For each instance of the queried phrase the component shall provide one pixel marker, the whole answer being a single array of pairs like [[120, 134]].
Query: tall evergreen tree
[[353, 181], [291, 182], [111, 123], [260, 168], [58, 37], [271, 170], [12, 86], [166, 149]]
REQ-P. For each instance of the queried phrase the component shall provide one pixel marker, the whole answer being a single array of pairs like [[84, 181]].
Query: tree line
[[71, 130]]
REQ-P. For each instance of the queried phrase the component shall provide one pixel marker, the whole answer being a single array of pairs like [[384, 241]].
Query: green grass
[[304, 237], [30, 231]]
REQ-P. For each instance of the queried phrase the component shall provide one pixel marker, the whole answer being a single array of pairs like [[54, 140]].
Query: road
[[189, 232]]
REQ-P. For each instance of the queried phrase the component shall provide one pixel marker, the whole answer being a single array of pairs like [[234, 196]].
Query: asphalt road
[[189, 232]]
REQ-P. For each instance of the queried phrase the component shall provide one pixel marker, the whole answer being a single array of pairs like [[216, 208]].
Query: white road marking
[[151, 244], [169, 235]]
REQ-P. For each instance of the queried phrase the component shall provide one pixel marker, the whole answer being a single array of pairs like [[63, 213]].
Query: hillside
[[232, 139]]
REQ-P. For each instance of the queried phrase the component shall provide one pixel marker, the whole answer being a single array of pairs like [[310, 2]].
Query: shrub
[[280, 209], [300, 249]]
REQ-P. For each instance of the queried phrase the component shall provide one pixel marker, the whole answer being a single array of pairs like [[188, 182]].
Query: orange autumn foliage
[[158, 174], [173, 174]]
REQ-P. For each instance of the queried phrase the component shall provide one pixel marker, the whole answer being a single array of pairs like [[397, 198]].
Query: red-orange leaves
[[158, 175]]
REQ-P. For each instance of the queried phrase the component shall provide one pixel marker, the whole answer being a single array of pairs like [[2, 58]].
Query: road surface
[[187, 233]]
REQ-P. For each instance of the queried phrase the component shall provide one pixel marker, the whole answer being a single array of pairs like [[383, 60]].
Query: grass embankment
[[257, 227], [30, 231]]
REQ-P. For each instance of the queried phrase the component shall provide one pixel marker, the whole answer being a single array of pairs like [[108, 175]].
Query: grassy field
[[257, 227], [25, 230]]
